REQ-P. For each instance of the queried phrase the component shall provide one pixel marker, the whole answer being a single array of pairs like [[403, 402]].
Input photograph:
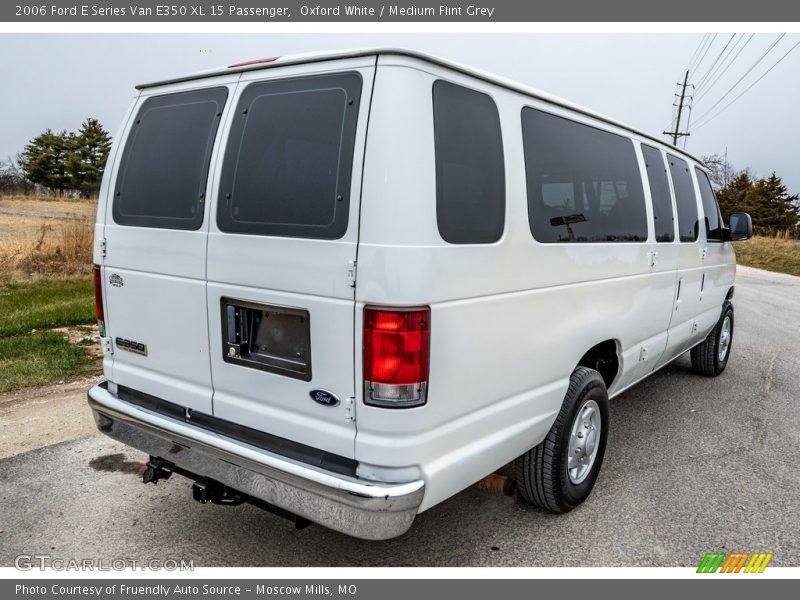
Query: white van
[[346, 286]]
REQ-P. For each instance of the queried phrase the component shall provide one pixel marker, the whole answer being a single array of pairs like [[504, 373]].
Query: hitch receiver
[[207, 490], [157, 469]]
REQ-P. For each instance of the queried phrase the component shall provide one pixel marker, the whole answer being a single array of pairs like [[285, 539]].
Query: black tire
[[541, 473], [705, 357]]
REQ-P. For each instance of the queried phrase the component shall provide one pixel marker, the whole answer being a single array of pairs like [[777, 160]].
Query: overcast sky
[[55, 81]]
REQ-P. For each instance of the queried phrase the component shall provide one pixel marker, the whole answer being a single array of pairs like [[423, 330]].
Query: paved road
[[693, 465]]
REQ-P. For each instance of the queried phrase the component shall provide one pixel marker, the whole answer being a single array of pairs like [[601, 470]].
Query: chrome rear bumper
[[360, 508]]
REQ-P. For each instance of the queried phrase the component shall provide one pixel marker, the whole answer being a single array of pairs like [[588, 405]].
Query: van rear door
[[156, 234], [282, 251]]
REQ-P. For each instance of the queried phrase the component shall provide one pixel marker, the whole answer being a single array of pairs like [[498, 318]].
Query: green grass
[[781, 256], [38, 359], [29, 358], [45, 304]]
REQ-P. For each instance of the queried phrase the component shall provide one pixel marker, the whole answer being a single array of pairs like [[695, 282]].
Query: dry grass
[[770, 253], [46, 236]]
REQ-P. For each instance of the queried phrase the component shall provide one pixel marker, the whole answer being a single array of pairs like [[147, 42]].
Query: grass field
[[31, 353], [771, 254], [46, 236], [45, 304], [46, 297]]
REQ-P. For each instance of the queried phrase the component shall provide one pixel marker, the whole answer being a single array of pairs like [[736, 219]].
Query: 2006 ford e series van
[[346, 286]]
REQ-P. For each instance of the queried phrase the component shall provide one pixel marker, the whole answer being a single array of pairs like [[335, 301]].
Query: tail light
[[396, 356], [98, 301]]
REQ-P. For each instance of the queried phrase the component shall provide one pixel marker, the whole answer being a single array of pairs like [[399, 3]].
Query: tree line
[[775, 211], [64, 163]]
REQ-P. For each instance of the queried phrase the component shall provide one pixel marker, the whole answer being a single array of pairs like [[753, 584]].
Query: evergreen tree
[[771, 206], [731, 198], [88, 157], [767, 200], [66, 161], [45, 158]]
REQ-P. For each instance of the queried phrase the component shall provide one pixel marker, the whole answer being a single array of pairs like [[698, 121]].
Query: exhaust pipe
[[500, 485]]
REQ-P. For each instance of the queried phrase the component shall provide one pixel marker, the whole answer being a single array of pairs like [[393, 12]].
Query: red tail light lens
[[98, 300], [396, 356]]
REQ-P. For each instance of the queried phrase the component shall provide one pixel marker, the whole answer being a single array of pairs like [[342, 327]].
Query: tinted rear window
[[470, 178], [663, 214], [712, 218], [685, 199], [289, 159], [584, 183], [162, 176]]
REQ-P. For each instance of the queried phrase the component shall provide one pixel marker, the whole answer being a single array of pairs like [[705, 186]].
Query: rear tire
[[545, 475], [711, 357]]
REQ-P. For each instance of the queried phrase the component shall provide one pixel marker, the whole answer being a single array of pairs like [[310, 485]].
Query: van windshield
[[289, 158]]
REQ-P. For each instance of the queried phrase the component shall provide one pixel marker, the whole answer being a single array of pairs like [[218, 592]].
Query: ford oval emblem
[[323, 397]]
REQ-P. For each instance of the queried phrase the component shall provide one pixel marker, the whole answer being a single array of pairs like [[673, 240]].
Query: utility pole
[[725, 169], [677, 133]]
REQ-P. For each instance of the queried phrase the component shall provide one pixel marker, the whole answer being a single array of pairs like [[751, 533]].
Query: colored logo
[[735, 562], [324, 397]]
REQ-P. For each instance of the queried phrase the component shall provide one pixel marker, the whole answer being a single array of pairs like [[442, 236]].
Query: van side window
[[663, 214], [164, 168], [470, 176], [584, 184], [710, 207], [684, 198], [289, 159]]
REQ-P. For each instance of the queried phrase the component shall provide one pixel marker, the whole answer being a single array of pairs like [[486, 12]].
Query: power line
[[714, 64], [702, 58], [746, 73], [728, 66], [696, 52], [707, 121]]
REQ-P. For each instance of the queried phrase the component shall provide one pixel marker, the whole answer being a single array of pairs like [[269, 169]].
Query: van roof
[[510, 84]]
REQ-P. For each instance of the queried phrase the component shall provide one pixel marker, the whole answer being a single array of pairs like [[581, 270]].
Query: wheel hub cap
[[724, 338], [583, 442]]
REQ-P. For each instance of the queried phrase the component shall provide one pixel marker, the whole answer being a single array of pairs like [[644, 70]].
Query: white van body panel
[[509, 320], [493, 306], [311, 274], [163, 282]]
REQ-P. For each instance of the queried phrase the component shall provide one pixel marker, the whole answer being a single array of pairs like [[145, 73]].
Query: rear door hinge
[[105, 345], [351, 273], [349, 409], [103, 245]]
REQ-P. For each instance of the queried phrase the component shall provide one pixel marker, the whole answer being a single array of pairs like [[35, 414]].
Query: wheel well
[[730, 294], [604, 359]]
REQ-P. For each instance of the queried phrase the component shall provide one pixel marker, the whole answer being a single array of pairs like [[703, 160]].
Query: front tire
[[711, 357], [559, 474]]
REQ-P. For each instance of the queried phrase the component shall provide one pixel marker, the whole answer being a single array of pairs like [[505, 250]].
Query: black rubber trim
[[265, 441]]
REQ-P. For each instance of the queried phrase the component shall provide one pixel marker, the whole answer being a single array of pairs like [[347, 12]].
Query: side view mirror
[[741, 226]]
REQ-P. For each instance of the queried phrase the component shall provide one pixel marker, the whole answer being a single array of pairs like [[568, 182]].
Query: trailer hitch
[[157, 469]]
